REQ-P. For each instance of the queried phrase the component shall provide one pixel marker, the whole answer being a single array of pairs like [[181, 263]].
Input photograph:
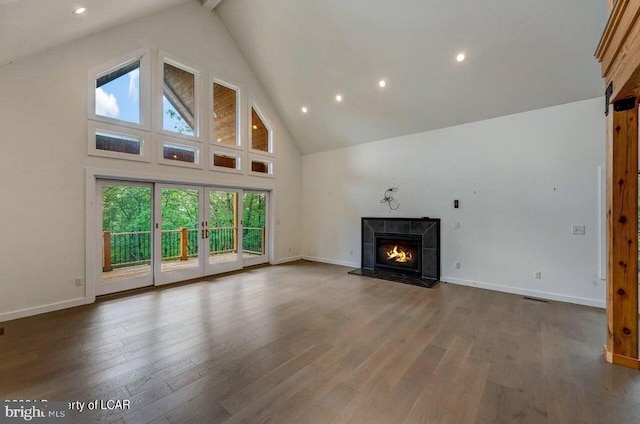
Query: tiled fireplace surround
[[427, 228]]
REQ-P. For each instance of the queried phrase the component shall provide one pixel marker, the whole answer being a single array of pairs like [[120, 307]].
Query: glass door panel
[[125, 242], [163, 233], [179, 233], [222, 230], [254, 227]]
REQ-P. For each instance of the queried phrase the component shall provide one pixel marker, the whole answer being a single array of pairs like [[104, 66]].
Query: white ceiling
[[31, 26], [521, 55]]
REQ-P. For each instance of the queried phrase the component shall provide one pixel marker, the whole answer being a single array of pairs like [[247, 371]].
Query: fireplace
[[403, 250], [399, 252]]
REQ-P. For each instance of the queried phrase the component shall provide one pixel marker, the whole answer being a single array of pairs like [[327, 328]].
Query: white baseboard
[[27, 312], [22, 313], [525, 292], [331, 261], [285, 260]]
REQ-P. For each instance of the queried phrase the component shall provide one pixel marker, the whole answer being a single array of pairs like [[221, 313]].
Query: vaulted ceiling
[[520, 55], [31, 26]]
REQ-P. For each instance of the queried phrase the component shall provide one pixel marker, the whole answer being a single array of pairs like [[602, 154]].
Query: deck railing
[[253, 240], [134, 248], [223, 240], [179, 244]]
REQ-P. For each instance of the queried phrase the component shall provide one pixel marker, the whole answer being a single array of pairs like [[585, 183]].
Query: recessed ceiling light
[[338, 98], [382, 83], [255, 127], [80, 11], [460, 57], [304, 109]]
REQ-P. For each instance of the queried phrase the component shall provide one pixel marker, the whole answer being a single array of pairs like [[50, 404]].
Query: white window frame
[[239, 139], [144, 136], [144, 55], [270, 166], [267, 123], [163, 58], [227, 152], [179, 142]]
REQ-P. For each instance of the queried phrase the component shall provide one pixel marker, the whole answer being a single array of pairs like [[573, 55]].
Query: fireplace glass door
[[399, 253]]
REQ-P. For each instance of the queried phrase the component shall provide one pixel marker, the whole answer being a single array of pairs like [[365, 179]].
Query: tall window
[[225, 114], [179, 100], [261, 138], [119, 108], [117, 93], [119, 117]]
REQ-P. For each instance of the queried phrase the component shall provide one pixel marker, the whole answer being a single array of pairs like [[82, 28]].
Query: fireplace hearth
[[404, 250]]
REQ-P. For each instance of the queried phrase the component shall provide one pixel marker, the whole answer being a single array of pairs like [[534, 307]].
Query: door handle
[[203, 233], [207, 232]]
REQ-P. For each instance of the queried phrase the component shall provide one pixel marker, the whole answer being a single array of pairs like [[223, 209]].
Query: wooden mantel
[[619, 54]]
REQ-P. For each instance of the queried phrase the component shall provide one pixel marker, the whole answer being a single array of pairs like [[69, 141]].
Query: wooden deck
[[141, 270]]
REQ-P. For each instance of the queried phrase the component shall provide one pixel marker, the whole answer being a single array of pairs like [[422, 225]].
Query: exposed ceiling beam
[[210, 4]]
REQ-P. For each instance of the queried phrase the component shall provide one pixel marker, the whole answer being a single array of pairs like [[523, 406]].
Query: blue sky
[[120, 99]]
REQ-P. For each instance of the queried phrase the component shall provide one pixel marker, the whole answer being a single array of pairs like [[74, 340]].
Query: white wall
[[522, 181], [43, 105]]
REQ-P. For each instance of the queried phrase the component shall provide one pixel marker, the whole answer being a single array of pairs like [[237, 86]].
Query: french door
[[179, 233], [163, 233], [254, 228], [223, 230], [125, 242]]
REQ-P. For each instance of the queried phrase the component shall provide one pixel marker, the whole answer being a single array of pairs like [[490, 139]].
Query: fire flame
[[399, 256]]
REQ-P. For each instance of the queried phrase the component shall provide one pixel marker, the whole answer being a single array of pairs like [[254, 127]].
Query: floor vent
[[535, 299]]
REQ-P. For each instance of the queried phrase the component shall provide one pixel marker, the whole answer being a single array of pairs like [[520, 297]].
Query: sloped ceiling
[[32, 26], [521, 55]]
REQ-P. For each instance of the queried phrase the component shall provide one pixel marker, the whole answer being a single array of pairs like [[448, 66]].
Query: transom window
[[180, 153], [110, 140], [118, 143], [260, 167]]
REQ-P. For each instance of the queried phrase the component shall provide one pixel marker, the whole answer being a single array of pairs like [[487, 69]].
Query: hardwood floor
[[308, 343]]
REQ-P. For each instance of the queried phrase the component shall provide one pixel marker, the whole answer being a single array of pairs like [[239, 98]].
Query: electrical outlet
[[578, 229], [351, 252], [457, 265], [290, 248], [79, 282], [537, 275], [456, 225]]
